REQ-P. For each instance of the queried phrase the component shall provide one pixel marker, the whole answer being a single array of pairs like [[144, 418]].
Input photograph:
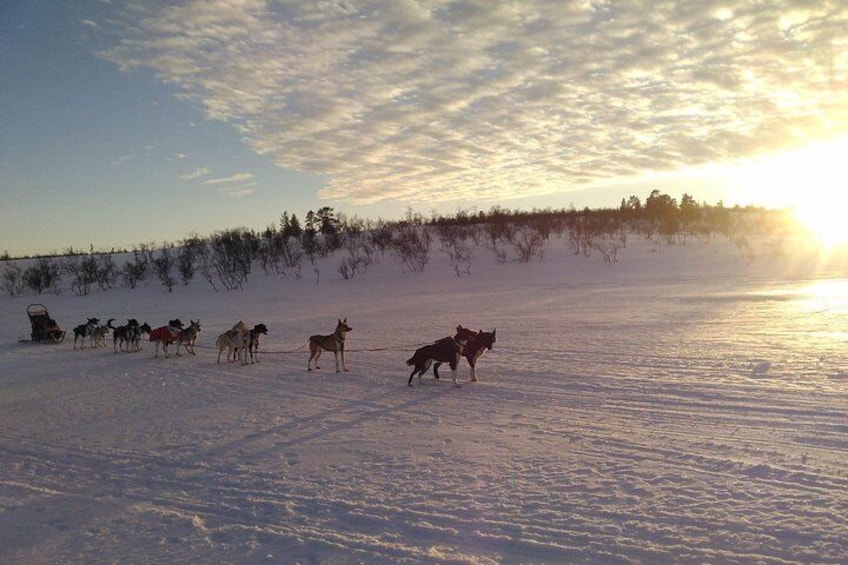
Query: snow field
[[684, 406]]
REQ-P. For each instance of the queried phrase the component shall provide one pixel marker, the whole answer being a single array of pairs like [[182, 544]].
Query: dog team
[[241, 344], [125, 338]]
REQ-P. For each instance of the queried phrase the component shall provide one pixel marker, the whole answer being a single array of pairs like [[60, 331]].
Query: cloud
[[455, 100], [124, 158], [226, 180], [239, 191], [195, 174]]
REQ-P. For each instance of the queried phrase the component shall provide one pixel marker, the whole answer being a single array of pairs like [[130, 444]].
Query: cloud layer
[[444, 100]]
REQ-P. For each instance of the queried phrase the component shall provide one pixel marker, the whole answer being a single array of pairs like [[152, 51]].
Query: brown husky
[[188, 337], [334, 342]]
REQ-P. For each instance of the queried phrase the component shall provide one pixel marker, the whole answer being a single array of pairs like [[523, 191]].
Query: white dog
[[236, 339]]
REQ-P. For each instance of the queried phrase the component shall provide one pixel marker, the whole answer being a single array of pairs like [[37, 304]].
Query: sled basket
[[44, 328]]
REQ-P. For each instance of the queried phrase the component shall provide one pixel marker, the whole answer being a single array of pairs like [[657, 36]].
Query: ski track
[[620, 422]]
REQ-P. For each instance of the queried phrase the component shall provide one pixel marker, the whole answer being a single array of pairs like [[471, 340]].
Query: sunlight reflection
[[825, 296]]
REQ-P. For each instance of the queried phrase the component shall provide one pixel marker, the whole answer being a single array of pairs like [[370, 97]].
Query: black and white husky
[[475, 347], [253, 341], [123, 334], [86, 330], [465, 343], [446, 350], [461, 336], [98, 335]]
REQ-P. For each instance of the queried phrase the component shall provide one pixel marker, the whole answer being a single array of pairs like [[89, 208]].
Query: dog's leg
[[419, 369], [473, 363], [436, 370], [423, 370], [316, 353], [453, 365]]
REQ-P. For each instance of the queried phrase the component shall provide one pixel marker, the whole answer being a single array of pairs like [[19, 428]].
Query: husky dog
[[166, 335], [188, 336], [475, 347], [135, 338], [446, 350], [85, 330], [334, 342], [461, 337], [233, 340], [123, 334], [98, 336], [253, 342]]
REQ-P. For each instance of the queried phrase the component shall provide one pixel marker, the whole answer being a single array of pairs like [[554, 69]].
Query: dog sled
[[44, 328]]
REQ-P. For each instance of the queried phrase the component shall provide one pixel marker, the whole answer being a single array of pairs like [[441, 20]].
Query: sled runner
[[44, 328]]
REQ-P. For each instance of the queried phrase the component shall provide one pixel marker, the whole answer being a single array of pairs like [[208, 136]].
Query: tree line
[[226, 259]]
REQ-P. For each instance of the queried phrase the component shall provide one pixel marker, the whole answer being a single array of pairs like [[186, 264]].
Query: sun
[[812, 181], [825, 220], [820, 196]]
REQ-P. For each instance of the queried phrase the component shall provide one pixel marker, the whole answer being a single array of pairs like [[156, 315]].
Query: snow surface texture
[[683, 406]]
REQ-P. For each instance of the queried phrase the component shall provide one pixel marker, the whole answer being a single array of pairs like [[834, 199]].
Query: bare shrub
[[12, 279], [411, 243], [581, 236], [269, 253], [83, 273], [498, 235], [360, 256], [136, 269], [457, 242], [163, 265], [291, 251], [43, 275], [528, 242], [231, 257], [205, 264], [106, 274], [608, 247], [186, 260], [381, 236]]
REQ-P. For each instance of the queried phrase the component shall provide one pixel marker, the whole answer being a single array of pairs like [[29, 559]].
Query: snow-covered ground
[[688, 405]]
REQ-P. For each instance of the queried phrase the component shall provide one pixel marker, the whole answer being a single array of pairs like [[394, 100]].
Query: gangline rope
[[408, 347]]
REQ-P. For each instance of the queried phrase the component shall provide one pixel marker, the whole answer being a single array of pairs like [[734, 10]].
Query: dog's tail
[[109, 323], [411, 360]]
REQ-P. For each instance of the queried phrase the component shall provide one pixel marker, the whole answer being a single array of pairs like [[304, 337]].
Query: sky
[[131, 122]]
